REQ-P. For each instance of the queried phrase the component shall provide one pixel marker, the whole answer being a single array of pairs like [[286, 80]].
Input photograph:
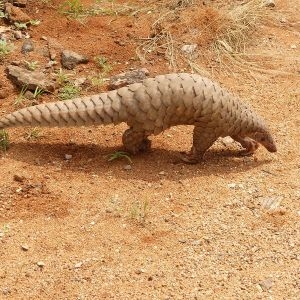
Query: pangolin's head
[[264, 138]]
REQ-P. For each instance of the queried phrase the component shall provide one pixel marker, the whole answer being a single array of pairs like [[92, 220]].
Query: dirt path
[[228, 228]]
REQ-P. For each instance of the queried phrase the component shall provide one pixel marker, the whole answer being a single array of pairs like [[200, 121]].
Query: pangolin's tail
[[105, 108]]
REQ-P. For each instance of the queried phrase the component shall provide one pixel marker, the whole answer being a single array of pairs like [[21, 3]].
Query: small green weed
[[69, 91], [33, 134], [139, 212], [38, 92], [5, 48], [4, 140], [62, 77], [118, 155], [20, 98], [102, 63], [73, 9], [31, 65]]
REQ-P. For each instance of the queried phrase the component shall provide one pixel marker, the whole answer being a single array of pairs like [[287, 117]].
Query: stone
[[31, 79], [127, 78], [15, 14], [19, 3], [70, 59], [27, 46], [266, 284], [269, 3]]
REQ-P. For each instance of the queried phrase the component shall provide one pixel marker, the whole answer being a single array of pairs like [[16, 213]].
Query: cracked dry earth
[[227, 228]]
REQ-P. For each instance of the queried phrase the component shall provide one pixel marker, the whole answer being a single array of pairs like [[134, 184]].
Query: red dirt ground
[[88, 229]]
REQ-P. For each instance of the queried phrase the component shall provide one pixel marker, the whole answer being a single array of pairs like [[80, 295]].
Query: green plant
[[62, 77], [5, 48], [118, 155], [38, 92], [35, 22], [33, 134], [20, 25], [73, 9], [20, 98], [69, 91], [102, 63], [4, 140], [31, 65], [139, 212]]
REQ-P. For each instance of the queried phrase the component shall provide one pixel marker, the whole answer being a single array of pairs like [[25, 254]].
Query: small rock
[[266, 284], [4, 90], [127, 167], [231, 185], [269, 3], [19, 178], [41, 264], [19, 3], [120, 43], [6, 291], [27, 46], [18, 34], [32, 79], [127, 78], [189, 49], [15, 14], [78, 265], [293, 46], [29, 95], [68, 156], [80, 81], [162, 173], [70, 59], [271, 203], [25, 247]]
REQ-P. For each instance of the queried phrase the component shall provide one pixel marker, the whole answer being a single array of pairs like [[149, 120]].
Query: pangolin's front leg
[[203, 138], [135, 141], [249, 144]]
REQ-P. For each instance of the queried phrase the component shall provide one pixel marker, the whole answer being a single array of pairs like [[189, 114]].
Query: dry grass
[[226, 31], [241, 22]]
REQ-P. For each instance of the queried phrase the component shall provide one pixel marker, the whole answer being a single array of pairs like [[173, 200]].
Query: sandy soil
[[84, 228]]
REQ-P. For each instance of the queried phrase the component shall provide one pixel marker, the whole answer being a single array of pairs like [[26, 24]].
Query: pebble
[[25, 247], [27, 46], [269, 3], [68, 156], [19, 178], [162, 173], [78, 265], [127, 167], [18, 34], [41, 264], [266, 284]]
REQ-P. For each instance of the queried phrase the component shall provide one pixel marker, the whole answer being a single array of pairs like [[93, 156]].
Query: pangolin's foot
[[192, 157], [135, 141], [249, 144], [250, 148]]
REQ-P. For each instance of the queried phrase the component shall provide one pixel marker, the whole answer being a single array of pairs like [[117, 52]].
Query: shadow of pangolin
[[153, 105]]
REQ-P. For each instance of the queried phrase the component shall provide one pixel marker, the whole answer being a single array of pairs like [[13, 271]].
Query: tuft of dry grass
[[221, 34], [241, 21]]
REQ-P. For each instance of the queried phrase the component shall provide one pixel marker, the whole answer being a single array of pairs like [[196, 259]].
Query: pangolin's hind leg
[[135, 141], [249, 144], [203, 138]]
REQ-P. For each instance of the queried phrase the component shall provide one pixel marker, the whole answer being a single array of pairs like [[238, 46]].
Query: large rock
[[15, 14], [127, 78], [70, 59], [31, 79]]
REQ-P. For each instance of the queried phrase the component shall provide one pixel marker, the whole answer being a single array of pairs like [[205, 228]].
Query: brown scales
[[154, 105]]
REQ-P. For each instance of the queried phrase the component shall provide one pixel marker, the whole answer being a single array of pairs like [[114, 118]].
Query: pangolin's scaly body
[[154, 105]]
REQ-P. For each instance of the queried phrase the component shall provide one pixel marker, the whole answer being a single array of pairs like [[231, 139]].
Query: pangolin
[[153, 105]]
